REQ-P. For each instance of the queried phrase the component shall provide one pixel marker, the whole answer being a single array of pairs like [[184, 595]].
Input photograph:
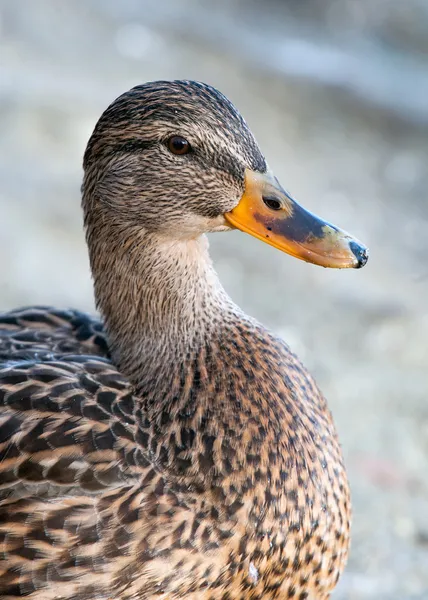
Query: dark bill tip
[[360, 252]]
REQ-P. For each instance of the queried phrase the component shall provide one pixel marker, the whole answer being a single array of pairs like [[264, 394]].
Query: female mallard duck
[[186, 454]]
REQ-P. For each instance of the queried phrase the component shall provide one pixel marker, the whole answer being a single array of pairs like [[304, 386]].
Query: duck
[[172, 447]]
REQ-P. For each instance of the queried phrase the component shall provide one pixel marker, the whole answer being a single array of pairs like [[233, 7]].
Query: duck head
[[177, 159]]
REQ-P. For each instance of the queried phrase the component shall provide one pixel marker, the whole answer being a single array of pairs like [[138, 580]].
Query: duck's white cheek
[[219, 224], [221, 228], [192, 225]]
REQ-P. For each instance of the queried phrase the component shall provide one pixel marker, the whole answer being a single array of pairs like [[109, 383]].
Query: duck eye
[[272, 203], [178, 145]]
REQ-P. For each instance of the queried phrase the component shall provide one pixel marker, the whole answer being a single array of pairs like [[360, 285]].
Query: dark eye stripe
[[223, 162], [133, 145]]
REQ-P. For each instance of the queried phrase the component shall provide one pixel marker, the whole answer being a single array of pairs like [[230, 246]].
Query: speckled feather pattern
[[175, 449], [233, 485]]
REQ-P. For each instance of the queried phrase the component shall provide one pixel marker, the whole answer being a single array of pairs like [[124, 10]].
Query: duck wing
[[69, 464], [41, 332]]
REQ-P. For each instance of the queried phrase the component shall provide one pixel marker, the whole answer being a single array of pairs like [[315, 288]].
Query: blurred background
[[336, 93]]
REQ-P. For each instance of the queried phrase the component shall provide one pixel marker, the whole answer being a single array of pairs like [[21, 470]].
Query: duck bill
[[267, 212]]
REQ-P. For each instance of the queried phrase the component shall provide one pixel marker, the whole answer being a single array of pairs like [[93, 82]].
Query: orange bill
[[266, 211]]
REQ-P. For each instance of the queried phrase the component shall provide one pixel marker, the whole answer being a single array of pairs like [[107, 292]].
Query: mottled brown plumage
[[179, 449]]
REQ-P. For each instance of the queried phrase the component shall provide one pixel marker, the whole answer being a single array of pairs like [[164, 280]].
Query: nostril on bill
[[272, 202], [360, 252]]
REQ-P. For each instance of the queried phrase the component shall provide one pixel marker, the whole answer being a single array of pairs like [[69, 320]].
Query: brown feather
[[198, 460]]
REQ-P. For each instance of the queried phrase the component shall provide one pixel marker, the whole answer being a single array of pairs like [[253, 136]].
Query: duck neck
[[161, 300]]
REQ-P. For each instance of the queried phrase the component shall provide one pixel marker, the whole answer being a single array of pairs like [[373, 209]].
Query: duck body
[[234, 489], [175, 449]]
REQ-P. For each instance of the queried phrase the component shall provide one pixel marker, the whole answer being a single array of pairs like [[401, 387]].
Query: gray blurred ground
[[337, 95]]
